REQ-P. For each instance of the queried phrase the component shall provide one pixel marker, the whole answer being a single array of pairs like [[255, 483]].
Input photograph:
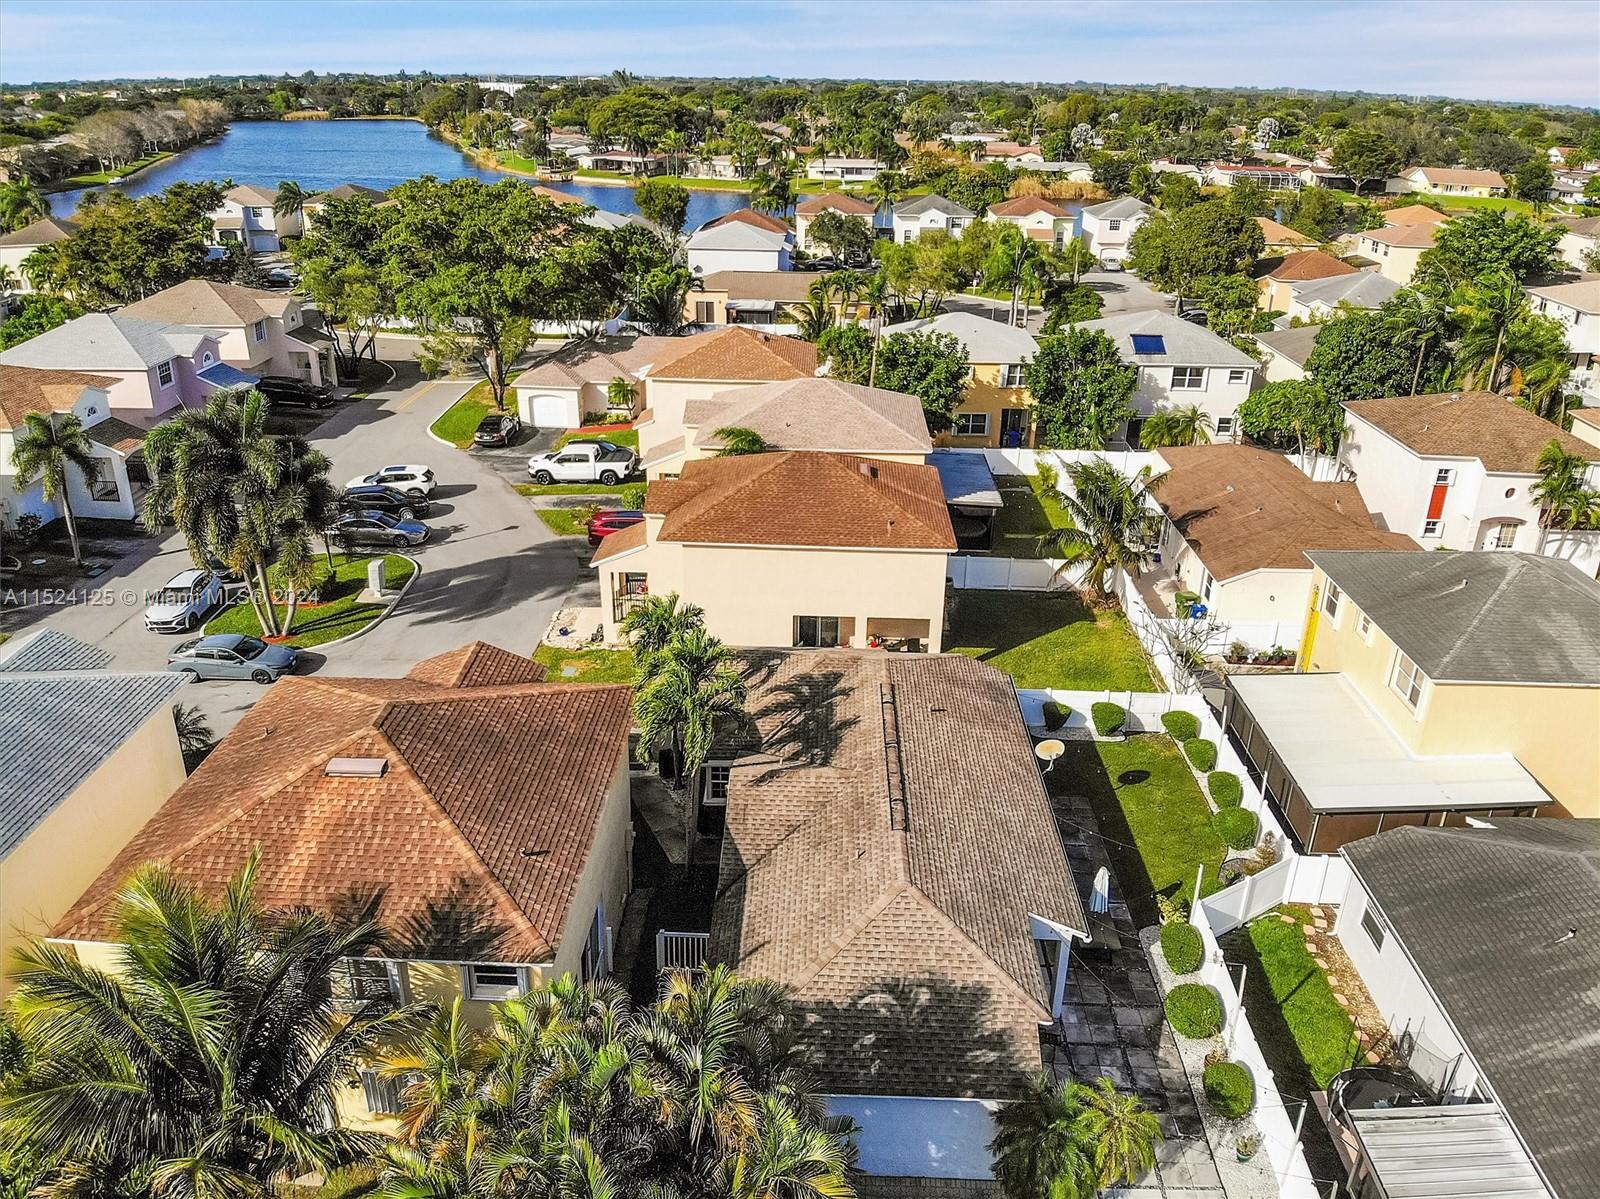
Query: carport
[[971, 495]]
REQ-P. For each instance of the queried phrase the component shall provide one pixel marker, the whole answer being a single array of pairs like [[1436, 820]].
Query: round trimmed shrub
[[1055, 715], [1202, 754], [1194, 1010], [1236, 827], [1226, 789], [1182, 947], [1181, 726], [1229, 1089], [1108, 718]]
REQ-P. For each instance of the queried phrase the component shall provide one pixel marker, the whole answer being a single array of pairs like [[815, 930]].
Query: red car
[[608, 520]]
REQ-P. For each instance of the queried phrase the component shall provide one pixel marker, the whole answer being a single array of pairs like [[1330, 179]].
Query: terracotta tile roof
[[804, 498], [749, 216], [1008, 149], [470, 844], [209, 304], [1278, 235], [1415, 237], [1506, 438], [835, 202], [1413, 214], [730, 354], [1027, 206], [1243, 509], [894, 929], [23, 389], [816, 414], [1310, 264]]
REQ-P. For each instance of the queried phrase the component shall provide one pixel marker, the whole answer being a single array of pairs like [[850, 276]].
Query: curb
[[416, 573]]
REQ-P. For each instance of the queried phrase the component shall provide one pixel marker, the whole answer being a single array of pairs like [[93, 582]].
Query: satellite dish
[[1048, 751]]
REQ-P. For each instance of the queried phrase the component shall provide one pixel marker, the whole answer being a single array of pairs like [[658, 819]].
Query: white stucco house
[[738, 246], [915, 217], [1448, 181], [19, 243], [843, 203], [1316, 300], [844, 170], [1579, 238], [1106, 228], [246, 216], [1577, 307]]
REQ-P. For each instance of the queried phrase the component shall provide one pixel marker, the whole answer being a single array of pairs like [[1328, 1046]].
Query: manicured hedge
[[1055, 715], [1202, 754], [1182, 726], [1182, 947], [1194, 1010], [1236, 827], [1109, 718], [1226, 789], [1229, 1089]]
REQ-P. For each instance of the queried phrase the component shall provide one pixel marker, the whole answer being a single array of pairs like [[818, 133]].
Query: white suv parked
[[413, 480], [184, 602]]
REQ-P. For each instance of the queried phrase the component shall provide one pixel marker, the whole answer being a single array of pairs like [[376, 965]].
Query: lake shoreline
[[487, 160]]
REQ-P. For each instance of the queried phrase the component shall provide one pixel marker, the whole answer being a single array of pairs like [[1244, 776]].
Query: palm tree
[[290, 200], [1566, 501], [815, 316], [207, 1060], [304, 505], [1486, 307], [737, 442], [885, 189], [660, 301], [42, 268], [655, 623], [21, 203], [1538, 364], [675, 145], [1418, 317], [1040, 1147], [773, 192], [695, 685], [51, 447], [1121, 1134], [1114, 520], [1186, 424]]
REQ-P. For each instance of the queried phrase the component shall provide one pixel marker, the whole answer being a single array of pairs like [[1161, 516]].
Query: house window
[[206, 359], [1505, 536], [164, 374], [1432, 528], [1224, 428], [362, 980], [1238, 376], [258, 212], [1366, 628], [1407, 682], [705, 312], [259, 330], [972, 424], [1205, 586], [1372, 924], [493, 982], [383, 1095], [1444, 476], [1113, 226], [715, 793], [817, 632], [1011, 375], [1330, 601], [593, 964], [628, 590], [1188, 378]]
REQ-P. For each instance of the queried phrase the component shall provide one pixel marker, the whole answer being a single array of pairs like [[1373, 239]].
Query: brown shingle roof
[[623, 540], [1472, 424], [1027, 206], [41, 232], [1456, 177], [1310, 264], [477, 664], [836, 202], [209, 304], [1243, 509], [1415, 237], [24, 389], [785, 286], [749, 216], [477, 832], [817, 414], [728, 354], [1277, 235], [811, 499], [117, 435], [895, 931], [1413, 214]]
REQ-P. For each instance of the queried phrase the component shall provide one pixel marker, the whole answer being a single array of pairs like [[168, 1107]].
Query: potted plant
[[1247, 1146], [1184, 601]]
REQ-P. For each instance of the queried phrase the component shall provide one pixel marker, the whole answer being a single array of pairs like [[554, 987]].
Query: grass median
[[459, 421], [338, 611]]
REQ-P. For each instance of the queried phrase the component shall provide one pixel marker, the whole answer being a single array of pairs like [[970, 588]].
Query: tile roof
[[835, 202], [1186, 343], [1583, 295], [896, 930], [818, 414], [1243, 509], [735, 354], [1027, 206], [478, 831], [1008, 149], [1277, 234], [922, 204], [1501, 434], [1515, 983], [1464, 616], [105, 341], [987, 340], [1413, 214], [1412, 237], [804, 499], [1310, 264], [207, 303], [596, 360], [477, 664], [24, 390], [749, 216], [41, 232]]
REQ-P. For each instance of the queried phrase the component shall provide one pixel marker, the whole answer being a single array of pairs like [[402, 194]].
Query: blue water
[[321, 154]]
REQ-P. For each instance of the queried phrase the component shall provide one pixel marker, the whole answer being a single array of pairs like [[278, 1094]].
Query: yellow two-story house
[[997, 410], [480, 814], [1432, 687]]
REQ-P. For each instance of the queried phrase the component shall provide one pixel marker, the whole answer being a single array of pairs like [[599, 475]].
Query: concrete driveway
[[491, 571]]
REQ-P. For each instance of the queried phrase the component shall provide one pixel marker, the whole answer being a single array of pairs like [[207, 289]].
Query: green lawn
[[570, 488], [458, 422], [1029, 514], [99, 178], [1312, 1035], [1156, 824], [565, 522], [1464, 203], [1050, 639], [627, 438], [588, 665], [337, 612]]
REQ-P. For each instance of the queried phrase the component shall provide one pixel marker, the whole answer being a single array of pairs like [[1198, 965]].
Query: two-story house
[[1039, 219], [913, 218], [1456, 471], [739, 245], [1577, 307], [1424, 694], [812, 207], [1107, 228], [478, 812], [19, 243], [1276, 277], [790, 549], [1580, 238], [1315, 301], [1179, 364], [1396, 249], [261, 332], [997, 409], [247, 216], [314, 204]]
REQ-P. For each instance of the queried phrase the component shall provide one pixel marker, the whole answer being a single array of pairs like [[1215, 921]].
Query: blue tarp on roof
[[1148, 343], [220, 374]]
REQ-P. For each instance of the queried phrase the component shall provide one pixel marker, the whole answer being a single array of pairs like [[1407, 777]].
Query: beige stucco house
[[790, 549], [1449, 181], [1278, 278], [812, 207], [1396, 249], [1039, 219]]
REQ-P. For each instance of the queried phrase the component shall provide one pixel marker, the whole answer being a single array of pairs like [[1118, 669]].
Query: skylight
[[1148, 343]]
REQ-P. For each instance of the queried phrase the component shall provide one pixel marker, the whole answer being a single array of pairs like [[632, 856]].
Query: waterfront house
[[247, 217], [832, 168], [814, 206], [19, 243], [738, 246], [997, 409], [913, 218], [1280, 239], [1277, 177], [314, 204], [1038, 218], [1448, 181], [1107, 228]]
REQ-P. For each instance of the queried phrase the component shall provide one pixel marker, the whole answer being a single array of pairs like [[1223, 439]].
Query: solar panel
[[1148, 343]]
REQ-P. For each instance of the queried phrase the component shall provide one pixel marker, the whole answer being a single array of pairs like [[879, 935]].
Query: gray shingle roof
[[1486, 616], [1517, 987], [1118, 209], [105, 341], [1294, 344], [57, 728], [1365, 289], [50, 649], [1187, 344], [922, 204], [987, 341]]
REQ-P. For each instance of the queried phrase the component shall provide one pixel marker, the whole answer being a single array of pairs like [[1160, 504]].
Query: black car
[[378, 498], [292, 392], [498, 428]]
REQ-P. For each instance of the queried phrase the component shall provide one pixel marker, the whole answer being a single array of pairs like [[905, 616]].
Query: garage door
[[264, 243], [550, 411]]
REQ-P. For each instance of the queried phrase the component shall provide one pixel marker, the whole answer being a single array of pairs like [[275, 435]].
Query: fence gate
[[681, 951]]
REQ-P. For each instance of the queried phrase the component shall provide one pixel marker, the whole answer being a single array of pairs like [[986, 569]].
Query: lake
[[322, 154]]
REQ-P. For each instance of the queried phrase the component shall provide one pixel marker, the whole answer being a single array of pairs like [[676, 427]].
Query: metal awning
[[752, 305], [220, 374], [966, 479], [1464, 1151]]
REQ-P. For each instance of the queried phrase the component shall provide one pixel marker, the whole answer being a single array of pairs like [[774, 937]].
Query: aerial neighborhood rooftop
[[762, 637]]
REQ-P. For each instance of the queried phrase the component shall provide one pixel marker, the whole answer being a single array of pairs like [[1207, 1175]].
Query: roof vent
[[869, 470], [356, 768]]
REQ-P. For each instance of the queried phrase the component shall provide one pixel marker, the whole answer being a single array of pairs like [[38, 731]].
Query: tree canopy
[[1081, 389], [1203, 240], [1293, 414], [1352, 359]]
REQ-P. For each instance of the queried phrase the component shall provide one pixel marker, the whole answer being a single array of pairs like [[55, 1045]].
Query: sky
[[1530, 50]]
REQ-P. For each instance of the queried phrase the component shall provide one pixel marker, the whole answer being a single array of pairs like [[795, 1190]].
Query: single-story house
[[622, 162], [1449, 181], [313, 205], [564, 389], [1012, 154], [844, 170], [1274, 178], [764, 299]]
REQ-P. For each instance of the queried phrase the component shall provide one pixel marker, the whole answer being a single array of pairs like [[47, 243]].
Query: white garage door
[[546, 410]]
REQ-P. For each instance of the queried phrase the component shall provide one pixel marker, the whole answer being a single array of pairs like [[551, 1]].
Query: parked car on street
[[183, 602], [498, 428], [289, 392], [378, 498], [610, 520], [584, 461], [232, 656], [413, 480], [376, 528]]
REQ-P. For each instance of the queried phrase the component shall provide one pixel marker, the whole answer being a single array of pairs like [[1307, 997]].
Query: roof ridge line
[[819, 961], [983, 954]]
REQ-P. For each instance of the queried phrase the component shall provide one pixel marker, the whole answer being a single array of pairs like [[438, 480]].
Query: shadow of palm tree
[[455, 926]]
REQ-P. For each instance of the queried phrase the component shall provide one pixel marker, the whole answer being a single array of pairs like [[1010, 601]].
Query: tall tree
[[1418, 318], [33, 315], [659, 303], [1566, 501], [1293, 414], [1365, 155], [1351, 359], [930, 366], [1081, 388], [50, 449], [664, 202], [840, 234], [123, 250], [1114, 520], [1486, 308], [1487, 240], [1202, 241], [290, 200], [695, 686], [22, 202]]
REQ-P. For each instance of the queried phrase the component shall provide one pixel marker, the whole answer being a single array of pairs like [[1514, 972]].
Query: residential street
[[491, 570]]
